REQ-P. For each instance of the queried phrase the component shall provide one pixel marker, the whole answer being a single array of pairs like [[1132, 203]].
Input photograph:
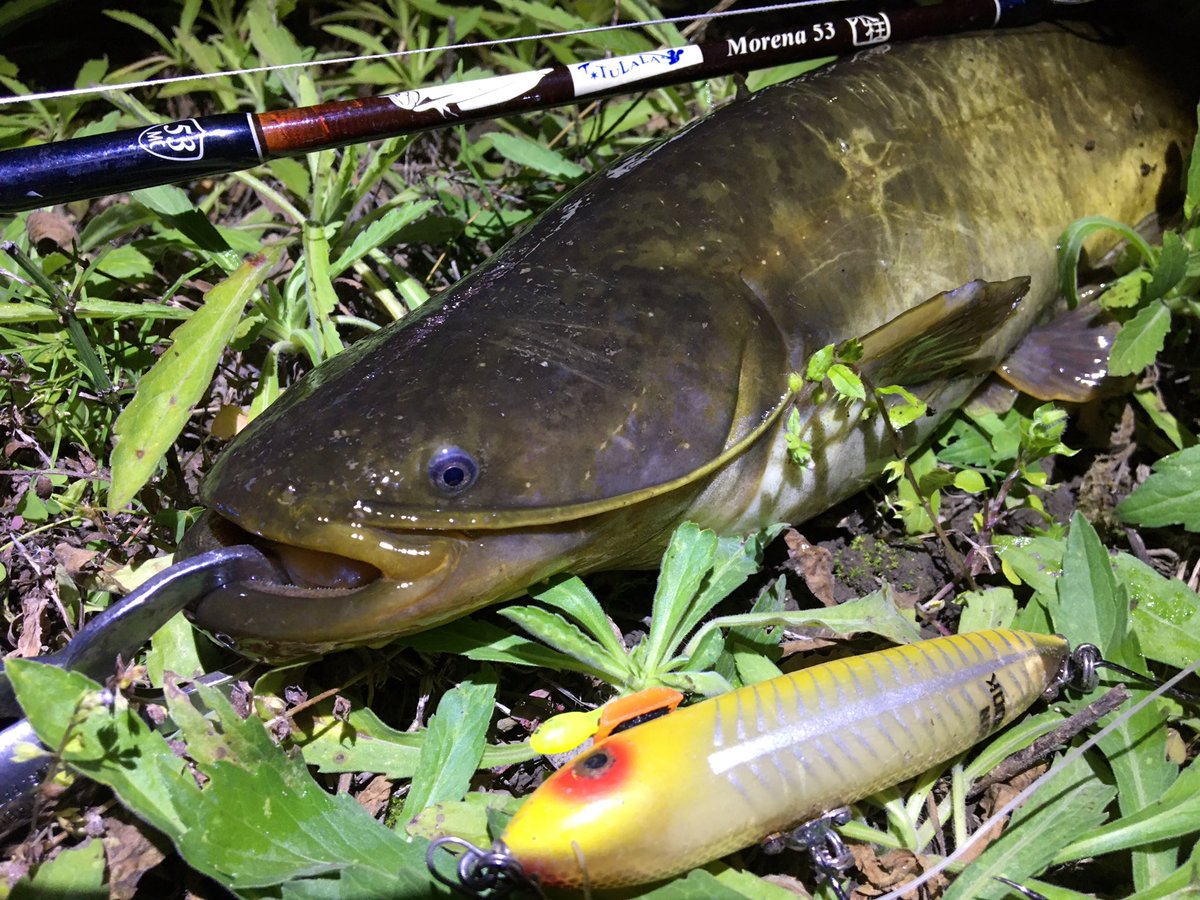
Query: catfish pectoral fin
[[942, 335], [1067, 358]]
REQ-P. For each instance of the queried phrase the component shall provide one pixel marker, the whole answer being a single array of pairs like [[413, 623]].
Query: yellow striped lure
[[718, 776]]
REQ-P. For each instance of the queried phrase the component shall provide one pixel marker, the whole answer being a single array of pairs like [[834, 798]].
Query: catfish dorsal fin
[[1066, 358], [942, 334]]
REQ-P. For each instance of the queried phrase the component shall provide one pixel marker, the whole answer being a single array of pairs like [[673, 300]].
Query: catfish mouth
[[405, 557], [322, 599]]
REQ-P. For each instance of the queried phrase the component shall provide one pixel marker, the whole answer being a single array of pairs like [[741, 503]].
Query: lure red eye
[[594, 765], [595, 773]]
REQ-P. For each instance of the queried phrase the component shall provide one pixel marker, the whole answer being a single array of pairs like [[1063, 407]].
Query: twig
[[1047, 743]]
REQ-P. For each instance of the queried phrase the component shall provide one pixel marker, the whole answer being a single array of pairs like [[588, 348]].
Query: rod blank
[[171, 152]]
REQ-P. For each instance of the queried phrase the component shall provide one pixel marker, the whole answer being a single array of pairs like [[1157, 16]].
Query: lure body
[[703, 781]]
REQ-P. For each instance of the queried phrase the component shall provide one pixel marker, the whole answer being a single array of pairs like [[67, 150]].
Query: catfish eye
[[453, 470]]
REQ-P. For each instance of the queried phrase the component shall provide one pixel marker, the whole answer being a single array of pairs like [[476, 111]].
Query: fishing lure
[[720, 775]]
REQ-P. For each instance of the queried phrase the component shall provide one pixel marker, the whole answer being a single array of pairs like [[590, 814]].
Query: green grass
[[361, 237]]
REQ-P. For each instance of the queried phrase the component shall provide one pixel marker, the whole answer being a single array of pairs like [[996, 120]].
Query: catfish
[[623, 365]]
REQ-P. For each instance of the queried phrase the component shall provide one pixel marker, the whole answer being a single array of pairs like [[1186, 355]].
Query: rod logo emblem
[[867, 30], [181, 141]]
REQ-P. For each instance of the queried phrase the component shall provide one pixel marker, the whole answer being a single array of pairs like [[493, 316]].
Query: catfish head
[[530, 423]]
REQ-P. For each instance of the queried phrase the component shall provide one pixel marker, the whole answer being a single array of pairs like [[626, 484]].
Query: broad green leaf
[[1165, 614], [1171, 266], [176, 382], [77, 873], [126, 263], [687, 561], [1069, 806], [706, 684], [846, 382], [277, 47], [533, 155], [586, 654], [379, 233], [910, 504], [873, 614], [735, 560], [819, 363], [966, 445], [173, 205], [708, 651], [361, 744], [1035, 561], [908, 410], [1094, 607], [466, 818], [1170, 496], [754, 648], [1126, 291], [1175, 814], [970, 481], [484, 642], [984, 609], [1140, 339], [1091, 607], [293, 173], [365, 744], [453, 744], [258, 821], [572, 596], [1164, 420], [173, 649]]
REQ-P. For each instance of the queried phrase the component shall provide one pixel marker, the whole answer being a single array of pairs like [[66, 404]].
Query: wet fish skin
[[644, 327]]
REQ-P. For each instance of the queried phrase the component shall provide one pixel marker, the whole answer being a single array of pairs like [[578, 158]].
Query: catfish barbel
[[622, 365]]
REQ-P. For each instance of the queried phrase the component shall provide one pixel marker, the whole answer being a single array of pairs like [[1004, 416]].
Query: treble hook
[[827, 851], [481, 874]]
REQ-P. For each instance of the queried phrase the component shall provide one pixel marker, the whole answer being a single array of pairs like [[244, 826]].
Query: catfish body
[[623, 365]]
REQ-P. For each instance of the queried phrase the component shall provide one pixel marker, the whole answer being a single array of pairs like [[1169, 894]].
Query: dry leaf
[[49, 231], [228, 421], [812, 563], [375, 796], [130, 855], [33, 605], [893, 868], [73, 559]]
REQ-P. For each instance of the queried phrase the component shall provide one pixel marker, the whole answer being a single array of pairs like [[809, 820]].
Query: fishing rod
[[165, 153]]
